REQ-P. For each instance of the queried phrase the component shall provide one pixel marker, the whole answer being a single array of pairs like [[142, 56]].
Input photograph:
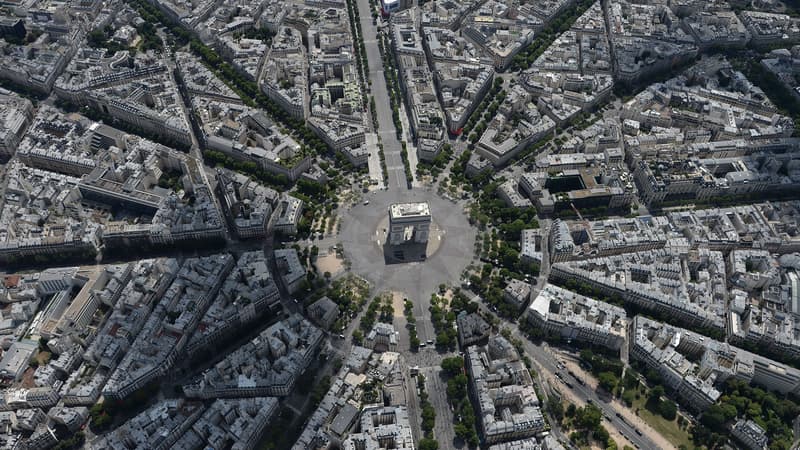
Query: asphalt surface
[[383, 107], [416, 280], [436, 388]]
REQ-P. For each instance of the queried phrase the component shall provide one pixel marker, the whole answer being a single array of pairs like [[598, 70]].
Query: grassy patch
[[669, 429]]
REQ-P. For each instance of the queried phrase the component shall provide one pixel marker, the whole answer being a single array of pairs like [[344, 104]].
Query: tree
[[467, 413], [443, 339], [571, 410], [608, 381], [713, 418], [667, 409], [628, 397], [631, 379], [587, 355], [74, 442], [556, 408], [514, 229], [453, 366], [358, 336], [96, 38], [578, 438], [728, 411], [457, 387], [589, 417], [462, 431], [428, 444], [601, 434], [655, 394], [102, 422], [101, 417], [653, 376], [428, 416]]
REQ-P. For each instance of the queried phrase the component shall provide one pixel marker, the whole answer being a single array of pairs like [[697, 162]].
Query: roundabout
[[418, 273], [413, 252]]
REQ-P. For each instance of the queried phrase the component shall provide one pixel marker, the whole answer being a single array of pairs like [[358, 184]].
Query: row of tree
[[458, 396], [458, 170], [242, 84], [411, 324], [392, 83], [406, 164], [278, 181], [358, 40], [443, 319], [428, 417], [481, 114], [548, 34]]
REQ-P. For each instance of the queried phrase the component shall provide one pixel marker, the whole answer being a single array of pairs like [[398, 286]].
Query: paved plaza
[[449, 251]]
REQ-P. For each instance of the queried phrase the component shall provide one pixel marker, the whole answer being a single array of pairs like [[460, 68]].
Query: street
[[383, 107], [437, 395]]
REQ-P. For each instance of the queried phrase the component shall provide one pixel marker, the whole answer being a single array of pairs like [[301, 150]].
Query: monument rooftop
[[409, 210]]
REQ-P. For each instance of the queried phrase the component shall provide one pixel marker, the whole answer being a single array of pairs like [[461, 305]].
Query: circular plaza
[[441, 259]]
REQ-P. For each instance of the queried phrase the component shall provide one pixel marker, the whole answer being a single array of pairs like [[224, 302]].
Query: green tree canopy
[[453, 366], [428, 444], [667, 409], [608, 380]]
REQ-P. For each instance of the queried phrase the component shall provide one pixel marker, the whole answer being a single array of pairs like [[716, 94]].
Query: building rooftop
[[561, 306], [269, 364], [382, 428], [506, 403]]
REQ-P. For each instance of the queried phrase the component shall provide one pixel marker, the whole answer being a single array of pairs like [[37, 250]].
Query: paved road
[[374, 161], [436, 388], [416, 280], [383, 107], [547, 361], [361, 225], [412, 403], [413, 160], [544, 267]]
